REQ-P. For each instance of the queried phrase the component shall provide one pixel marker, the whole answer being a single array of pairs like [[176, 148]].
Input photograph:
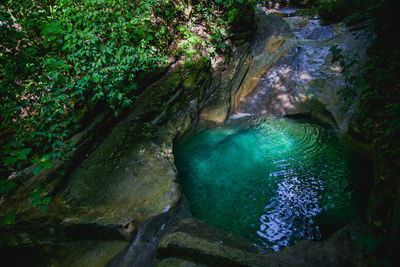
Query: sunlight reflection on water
[[273, 181]]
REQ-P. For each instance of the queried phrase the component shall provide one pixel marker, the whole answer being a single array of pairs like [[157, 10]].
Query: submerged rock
[[126, 188], [200, 243], [197, 242]]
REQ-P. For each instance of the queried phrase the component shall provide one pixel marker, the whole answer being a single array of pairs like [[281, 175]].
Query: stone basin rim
[[355, 145]]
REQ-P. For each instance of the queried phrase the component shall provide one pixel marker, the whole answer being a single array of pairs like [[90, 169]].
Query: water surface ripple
[[273, 181]]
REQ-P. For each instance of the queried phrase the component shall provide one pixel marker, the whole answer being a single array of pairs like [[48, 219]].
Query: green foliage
[[58, 59], [333, 11], [15, 155], [107, 43], [7, 219], [190, 47], [61, 59], [349, 11], [218, 18], [378, 117], [6, 186], [44, 162], [218, 36], [38, 200], [354, 81]]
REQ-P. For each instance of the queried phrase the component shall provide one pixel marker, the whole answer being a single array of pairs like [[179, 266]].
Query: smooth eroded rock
[[296, 74], [273, 40]]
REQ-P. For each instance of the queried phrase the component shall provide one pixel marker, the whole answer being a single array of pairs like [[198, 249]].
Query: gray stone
[[126, 188], [296, 75]]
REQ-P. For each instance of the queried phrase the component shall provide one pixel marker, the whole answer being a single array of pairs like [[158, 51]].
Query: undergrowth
[[61, 59]]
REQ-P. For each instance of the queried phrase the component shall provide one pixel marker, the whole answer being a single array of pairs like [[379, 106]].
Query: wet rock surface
[[127, 179], [225, 81], [177, 239], [126, 188], [303, 79], [199, 243], [74, 253], [272, 41]]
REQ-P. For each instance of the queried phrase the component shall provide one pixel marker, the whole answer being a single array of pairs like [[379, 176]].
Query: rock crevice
[[126, 188]]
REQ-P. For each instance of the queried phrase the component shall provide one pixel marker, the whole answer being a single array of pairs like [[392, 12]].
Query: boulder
[[127, 179], [291, 71], [272, 41], [126, 188]]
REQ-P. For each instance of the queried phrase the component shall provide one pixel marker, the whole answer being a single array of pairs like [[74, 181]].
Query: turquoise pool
[[273, 181]]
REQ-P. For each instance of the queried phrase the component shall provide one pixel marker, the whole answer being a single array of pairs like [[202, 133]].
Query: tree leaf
[[46, 164], [35, 161], [9, 160]]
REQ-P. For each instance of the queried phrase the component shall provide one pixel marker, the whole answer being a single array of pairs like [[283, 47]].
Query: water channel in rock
[[270, 180]]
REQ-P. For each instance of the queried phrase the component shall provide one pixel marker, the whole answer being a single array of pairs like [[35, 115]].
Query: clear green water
[[272, 181]]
